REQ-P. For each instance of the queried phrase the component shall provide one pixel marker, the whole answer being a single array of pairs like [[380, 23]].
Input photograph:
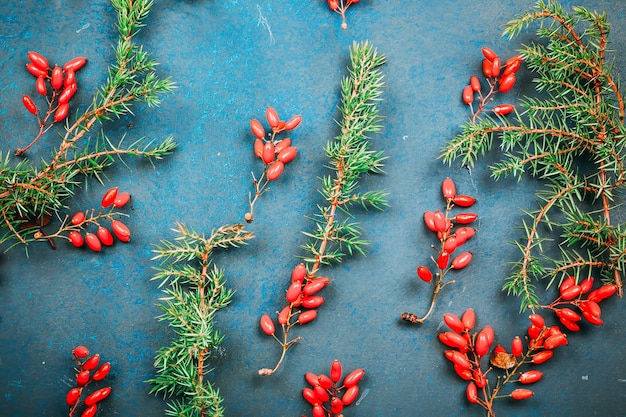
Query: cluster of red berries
[[571, 294], [103, 236], [301, 293], [273, 152], [500, 78], [468, 350], [452, 232], [325, 395], [57, 85], [89, 370]]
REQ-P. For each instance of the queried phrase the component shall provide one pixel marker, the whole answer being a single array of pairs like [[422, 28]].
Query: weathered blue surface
[[230, 60]]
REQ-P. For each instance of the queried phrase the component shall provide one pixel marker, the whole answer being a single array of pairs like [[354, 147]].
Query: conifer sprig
[[335, 233], [575, 123], [195, 291], [27, 193]]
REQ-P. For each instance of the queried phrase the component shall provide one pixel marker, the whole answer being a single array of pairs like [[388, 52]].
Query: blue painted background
[[231, 59]]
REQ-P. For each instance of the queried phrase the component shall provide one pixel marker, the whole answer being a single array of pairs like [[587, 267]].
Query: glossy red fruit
[[282, 145], [448, 188], [29, 104], [299, 273], [105, 236], [517, 347], [82, 378], [595, 320], [487, 68], [40, 85], [92, 363], [67, 93], [324, 381], [333, 5], [586, 285], [429, 221], [506, 83], [293, 122], [36, 72], [70, 78], [287, 155], [275, 170], [465, 218], [462, 234], [568, 314], [318, 411], [80, 352], [512, 65], [75, 64], [464, 374], [522, 394], [353, 377], [440, 221], [541, 357], [336, 405], [321, 393], [102, 372], [93, 242], [450, 244], [495, 67], [109, 197], [468, 95], [537, 320], [312, 301], [453, 322], [78, 218], [443, 259], [604, 292], [272, 117], [258, 148], [121, 199], [489, 53], [257, 129], [475, 83], [76, 239], [468, 319], [56, 79], [504, 109], [590, 307], [311, 378], [62, 111], [471, 392], [90, 411], [98, 396], [293, 292], [268, 152], [464, 200], [570, 325], [267, 325], [38, 60], [571, 293], [309, 396], [567, 282], [335, 371], [72, 396], [462, 260], [453, 339], [424, 273], [315, 285], [459, 359], [307, 316], [120, 230], [283, 315], [350, 395], [482, 344], [555, 341]]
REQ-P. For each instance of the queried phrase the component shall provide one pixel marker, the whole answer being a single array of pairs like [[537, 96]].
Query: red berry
[[336, 405], [522, 394], [78, 218], [471, 392], [56, 79], [275, 170], [62, 111], [350, 395], [468, 95], [429, 221], [443, 259], [571, 293], [462, 260], [453, 322], [109, 197], [272, 117], [495, 67], [464, 200], [267, 325], [38, 60], [448, 188], [516, 347], [97, 396], [287, 155], [102, 372], [76, 239], [482, 344], [307, 316], [465, 218], [504, 109], [293, 122], [283, 315], [315, 285], [282, 145], [475, 83], [93, 242], [312, 301], [487, 68], [80, 352], [90, 411], [468, 318], [353, 378], [72, 396], [82, 378], [75, 64], [91, 363], [506, 83], [120, 231], [541, 357], [537, 320], [309, 396], [40, 85], [489, 53], [105, 236], [121, 199], [257, 129], [293, 292], [268, 153], [299, 273], [424, 273], [67, 93], [29, 104]]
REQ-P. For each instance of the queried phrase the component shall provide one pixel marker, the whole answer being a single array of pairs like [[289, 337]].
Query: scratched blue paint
[[230, 60]]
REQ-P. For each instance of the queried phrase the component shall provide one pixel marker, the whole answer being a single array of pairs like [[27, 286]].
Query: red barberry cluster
[[325, 395], [302, 293], [57, 85], [89, 370], [274, 152], [499, 76], [469, 349], [450, 237], [103, 236], [340, 7], [571, 295]]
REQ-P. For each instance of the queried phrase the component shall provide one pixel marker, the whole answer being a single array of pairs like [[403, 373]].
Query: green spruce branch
[[28, 193], [195, 290], [576, 122], [336, 234]]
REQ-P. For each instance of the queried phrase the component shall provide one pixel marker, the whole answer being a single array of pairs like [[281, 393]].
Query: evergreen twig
[[575, 122], [196, 291], [335, 234]]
